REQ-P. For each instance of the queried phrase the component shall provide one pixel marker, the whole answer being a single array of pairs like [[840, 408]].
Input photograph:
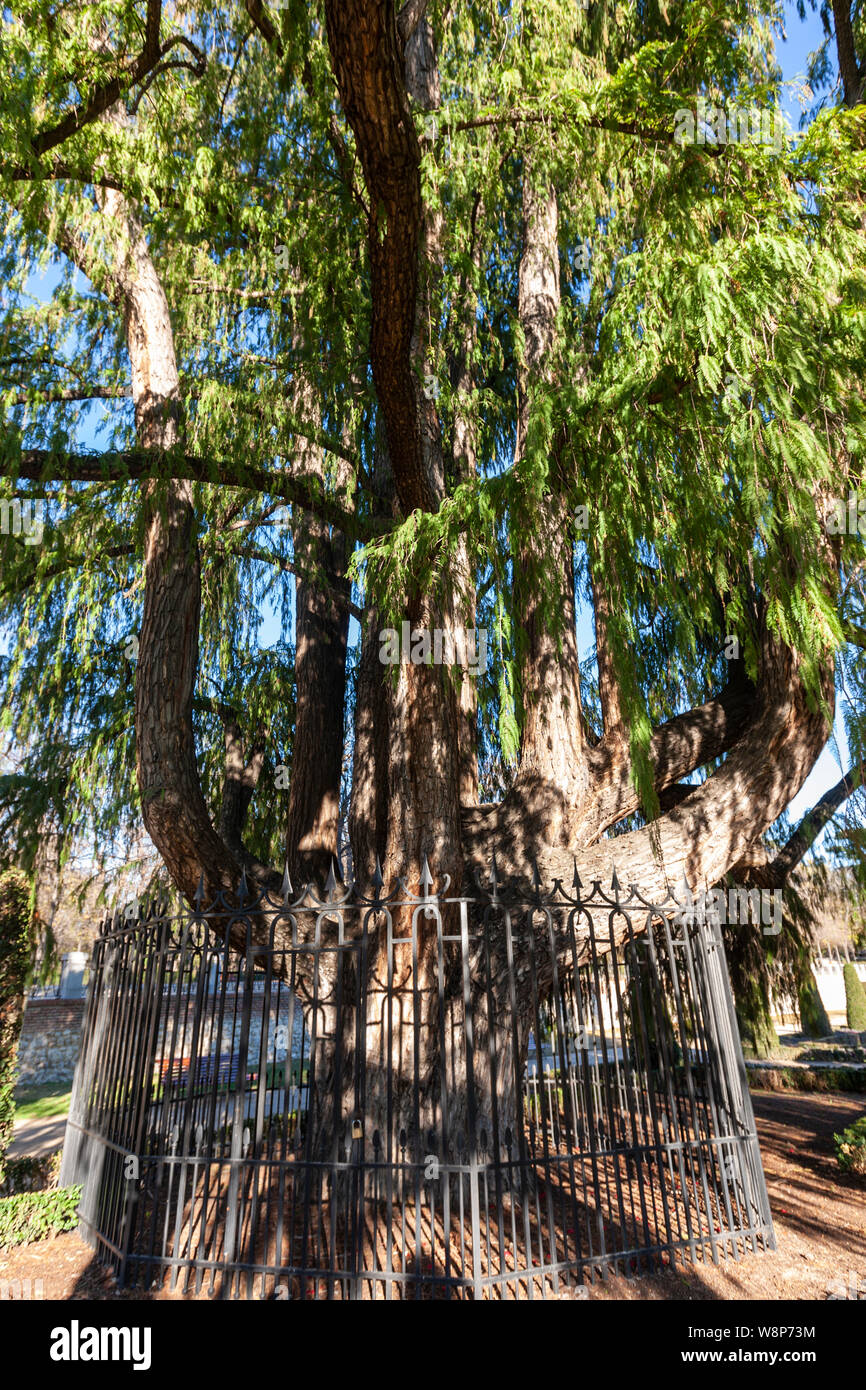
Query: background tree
[[444, 282], [17, 941]]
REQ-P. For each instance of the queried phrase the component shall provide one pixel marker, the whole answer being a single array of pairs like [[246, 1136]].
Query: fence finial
[[426, 876], [575, 882], [378, 876], [287, 884], [331, 880], [536, 878], [687, 892]]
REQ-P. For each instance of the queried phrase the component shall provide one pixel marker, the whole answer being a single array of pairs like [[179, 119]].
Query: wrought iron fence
[[488, 1094]]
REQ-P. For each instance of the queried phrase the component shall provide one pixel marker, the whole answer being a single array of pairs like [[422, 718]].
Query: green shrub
[[765, 1078], [851, 1147], [34, 1215], [16, 941], [813, 1015], [31, 1174], [830, 1054], [855, 999]]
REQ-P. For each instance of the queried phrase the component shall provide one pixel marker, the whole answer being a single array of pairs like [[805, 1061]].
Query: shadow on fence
[[483, 1095]]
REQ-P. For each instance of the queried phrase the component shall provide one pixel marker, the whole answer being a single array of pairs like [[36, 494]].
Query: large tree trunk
[[396, 1049], [321, 636]]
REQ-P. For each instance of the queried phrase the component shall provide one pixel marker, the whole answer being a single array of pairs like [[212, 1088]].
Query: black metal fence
[[485, 1095]]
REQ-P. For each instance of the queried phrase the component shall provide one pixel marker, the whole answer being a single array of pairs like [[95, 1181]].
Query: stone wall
[[831, 982], [51, 1034], [223, 1037], [50, 1041]]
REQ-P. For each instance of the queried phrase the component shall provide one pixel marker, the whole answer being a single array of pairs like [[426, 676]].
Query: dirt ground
[[819, 1215]]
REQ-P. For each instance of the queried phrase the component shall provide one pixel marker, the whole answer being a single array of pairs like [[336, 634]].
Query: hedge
[[807, 1079], [855, 999], [32, 1216], [31, 1174]]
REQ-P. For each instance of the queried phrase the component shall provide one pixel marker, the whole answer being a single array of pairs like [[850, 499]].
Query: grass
[[48, 1102]]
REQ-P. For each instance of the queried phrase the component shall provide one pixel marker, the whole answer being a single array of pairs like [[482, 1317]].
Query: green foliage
[[813, 1016], [757, 1033], [16, 948], [767, 968], [851, 1148], [31, 1174], [706, 378], [824, 1081], [855, 999], [30, 1216]]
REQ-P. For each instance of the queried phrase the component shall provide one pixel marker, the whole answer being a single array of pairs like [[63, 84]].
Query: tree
[[855, 999], [813, 1016], [450, 286]]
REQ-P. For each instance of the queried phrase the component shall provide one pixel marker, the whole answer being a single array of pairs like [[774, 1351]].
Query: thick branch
[[74, 393], [677, 748], [852, 78], [263, 22], [713, 827], [362, 37], [608, 684], [241, 779], [40, 465], [106, 95], [775, 873]]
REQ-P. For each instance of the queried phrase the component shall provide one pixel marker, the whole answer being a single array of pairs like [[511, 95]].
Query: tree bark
[[552, 763]]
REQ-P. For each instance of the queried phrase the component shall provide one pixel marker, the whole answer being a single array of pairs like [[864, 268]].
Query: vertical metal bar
[[471, 1103]]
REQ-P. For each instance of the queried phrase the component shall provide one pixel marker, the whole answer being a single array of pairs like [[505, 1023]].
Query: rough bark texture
[[405, 253], [322, 629], [322, 591], [173, 806], [552, 742], [368, 66], [849, 68]]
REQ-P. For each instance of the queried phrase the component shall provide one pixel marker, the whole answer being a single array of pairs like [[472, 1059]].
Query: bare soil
[[819, 1216]]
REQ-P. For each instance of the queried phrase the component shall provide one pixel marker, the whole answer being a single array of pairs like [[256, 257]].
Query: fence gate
[[487, 1095]]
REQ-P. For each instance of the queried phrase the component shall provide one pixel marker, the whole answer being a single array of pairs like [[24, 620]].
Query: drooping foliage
[[704, 401]]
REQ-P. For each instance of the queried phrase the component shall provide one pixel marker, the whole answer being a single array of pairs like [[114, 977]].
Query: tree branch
[[240, 780], [608, 685], [775, 873], [41, 465], [105, 96], [852, 78], [363, 42], [684, 743], [75, 393], [250, 552], [518, 118], [67, 562], [264, 24]]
